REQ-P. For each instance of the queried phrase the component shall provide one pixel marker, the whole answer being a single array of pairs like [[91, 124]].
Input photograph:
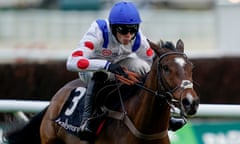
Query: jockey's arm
[[80, 63], [79, 58]]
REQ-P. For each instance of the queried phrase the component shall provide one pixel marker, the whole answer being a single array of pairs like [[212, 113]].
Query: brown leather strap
[[124, 117]]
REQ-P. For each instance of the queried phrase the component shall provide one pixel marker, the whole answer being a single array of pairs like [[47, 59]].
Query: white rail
[[218, 110], [22, 105], [205, 110]]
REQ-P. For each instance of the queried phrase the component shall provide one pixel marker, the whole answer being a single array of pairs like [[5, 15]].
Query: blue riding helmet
[[124, 13]]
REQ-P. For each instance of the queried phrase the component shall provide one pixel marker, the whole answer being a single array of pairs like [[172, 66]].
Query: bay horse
[[141, 118]]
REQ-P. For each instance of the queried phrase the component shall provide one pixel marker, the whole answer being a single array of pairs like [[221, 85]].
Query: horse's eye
[[165, 68]]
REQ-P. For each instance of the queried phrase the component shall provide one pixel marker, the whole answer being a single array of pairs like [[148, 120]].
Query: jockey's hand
[[131, 79], [123, 75], [117, 69]]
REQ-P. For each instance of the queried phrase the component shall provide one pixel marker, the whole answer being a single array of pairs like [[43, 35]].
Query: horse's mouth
[[188, 106]]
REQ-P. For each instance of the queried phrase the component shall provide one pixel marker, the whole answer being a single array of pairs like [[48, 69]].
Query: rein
[[122, 116], [164, 92]]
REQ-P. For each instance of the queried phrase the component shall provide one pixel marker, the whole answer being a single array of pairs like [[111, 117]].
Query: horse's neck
[[151, 113]]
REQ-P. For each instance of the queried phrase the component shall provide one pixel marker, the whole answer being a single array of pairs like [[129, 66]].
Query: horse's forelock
[[169, 45]]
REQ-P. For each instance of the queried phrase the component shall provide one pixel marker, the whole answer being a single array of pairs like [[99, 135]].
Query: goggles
[[125, 29]]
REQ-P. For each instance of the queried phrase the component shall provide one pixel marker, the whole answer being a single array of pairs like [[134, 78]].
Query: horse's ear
[[154, 46], [180, 46], [161, 43]]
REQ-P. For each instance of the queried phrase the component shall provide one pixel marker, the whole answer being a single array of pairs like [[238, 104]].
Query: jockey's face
[[125, 33], [125, 39]]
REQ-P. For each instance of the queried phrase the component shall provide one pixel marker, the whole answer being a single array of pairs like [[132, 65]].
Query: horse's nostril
[[186, 102], [196, 104], [190, 106]]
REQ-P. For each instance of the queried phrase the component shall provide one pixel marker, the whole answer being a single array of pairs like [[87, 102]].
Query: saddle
[[108, 95]]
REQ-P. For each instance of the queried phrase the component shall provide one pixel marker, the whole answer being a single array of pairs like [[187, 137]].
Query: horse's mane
[[109, 94]]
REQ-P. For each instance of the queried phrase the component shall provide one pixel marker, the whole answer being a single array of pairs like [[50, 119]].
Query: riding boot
[[176, 123], [85, 128]]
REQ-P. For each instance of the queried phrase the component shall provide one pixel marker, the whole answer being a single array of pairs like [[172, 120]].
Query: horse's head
[[174, 76]]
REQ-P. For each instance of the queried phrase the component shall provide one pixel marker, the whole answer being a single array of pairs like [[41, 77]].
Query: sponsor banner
[[207, 133], [183, 136], [218, 133]]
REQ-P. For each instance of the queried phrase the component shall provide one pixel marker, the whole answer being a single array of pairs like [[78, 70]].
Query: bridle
[[163, 91]]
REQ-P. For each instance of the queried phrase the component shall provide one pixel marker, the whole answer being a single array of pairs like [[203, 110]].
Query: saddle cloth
[[71, 113]]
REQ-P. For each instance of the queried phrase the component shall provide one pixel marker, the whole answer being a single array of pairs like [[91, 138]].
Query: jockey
[[105, 47]]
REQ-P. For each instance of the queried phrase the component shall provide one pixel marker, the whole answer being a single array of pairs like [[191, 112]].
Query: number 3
[[79, 92]]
